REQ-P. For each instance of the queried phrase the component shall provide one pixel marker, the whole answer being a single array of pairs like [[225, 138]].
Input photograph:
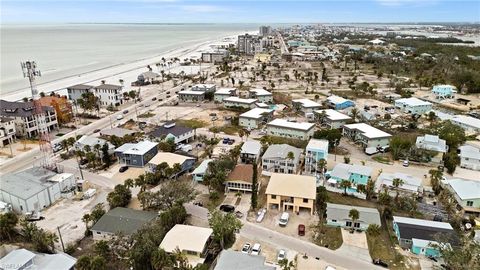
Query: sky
[[246, 11]]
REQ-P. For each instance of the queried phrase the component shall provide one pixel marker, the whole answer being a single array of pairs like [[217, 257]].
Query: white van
[[283, 219]]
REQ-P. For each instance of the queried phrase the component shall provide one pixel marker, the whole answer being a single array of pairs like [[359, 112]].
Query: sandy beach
[[125, 71]]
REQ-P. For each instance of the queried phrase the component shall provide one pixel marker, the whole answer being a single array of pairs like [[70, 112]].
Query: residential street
[[254, 231]]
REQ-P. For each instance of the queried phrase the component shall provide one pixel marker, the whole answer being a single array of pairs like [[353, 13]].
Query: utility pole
[[61, 240], [335, 143]]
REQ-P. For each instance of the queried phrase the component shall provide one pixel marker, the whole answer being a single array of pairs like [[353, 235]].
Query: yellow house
[[291, 192]]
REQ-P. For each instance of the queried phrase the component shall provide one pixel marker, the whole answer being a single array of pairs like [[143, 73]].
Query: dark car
[[123, 169], [97, 130], [380, 263], [301, 230], [153, 99], [227, 208]]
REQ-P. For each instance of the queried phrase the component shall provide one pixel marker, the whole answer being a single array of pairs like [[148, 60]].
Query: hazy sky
[[249, 11]]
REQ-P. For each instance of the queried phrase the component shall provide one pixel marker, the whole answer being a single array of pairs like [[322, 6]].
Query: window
[[356, 225], [469, 203], [348, 224], [334, 220], [305, 200], [273, 196], [264, 167]]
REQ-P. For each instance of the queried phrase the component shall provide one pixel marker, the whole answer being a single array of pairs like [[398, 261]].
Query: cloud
[[202, 8]]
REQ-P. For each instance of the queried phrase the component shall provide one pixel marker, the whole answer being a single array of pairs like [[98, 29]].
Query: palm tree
[[354, 215], [321, 165], [140, 182], [65, 144], [129, 183], [397, 182], [290, 155], [345, 184], [87, 148], [354, 113]]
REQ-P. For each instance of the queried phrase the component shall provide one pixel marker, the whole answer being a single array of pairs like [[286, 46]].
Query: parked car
[[198, 203], [380, 263], [83, 161], [256, 249], [246, 248], [238, 214], [123, 169], [119, 117], [213, 114], [301, 230], [227, 208], [281, 255], [406, 163], [153, 99], [231, 141], [125, 111], [97, 130], [57, 147], [329, 267], [284, 219]]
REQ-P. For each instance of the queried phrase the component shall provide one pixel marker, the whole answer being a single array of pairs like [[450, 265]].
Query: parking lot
[[268, 251]]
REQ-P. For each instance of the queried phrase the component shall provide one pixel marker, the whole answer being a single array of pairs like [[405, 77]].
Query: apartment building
[[331, 118], [287, 129], [413, 105], [261, 95], [236, 102], [109, 94], [223, 93], [276, 159], [293, 192], [306, 105], [366, 135], [75, 92], [7, 130], [249, 44], [255, 118]]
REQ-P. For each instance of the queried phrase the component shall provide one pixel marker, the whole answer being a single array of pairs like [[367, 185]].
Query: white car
[[246, 248], [281, 255], [284, 219], [256, 249], [119, 117]]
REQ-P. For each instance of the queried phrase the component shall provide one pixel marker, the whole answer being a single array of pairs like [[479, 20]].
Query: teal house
[[444, 91], [356, 174], [420, 235], [201, 170]]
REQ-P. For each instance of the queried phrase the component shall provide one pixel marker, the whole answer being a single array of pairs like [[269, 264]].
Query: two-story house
[[255, 117], [261, 95], [250, 151], [315, 151], [291, 192], [331, 118], [240, 179], [413, 105], [466, 193], [306, 105], [236, 102], [109, 94], [444, 91], [7, 131], [75, 92], [356, 174], [186, 163], [366, 135], [281, 158], [173, 131], [470, 156], [136, 154], [287, 129], [223, 93], [339, 103]]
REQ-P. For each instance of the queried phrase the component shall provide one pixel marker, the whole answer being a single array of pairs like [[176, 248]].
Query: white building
[[7, 130], [275, 159], [366, 135], [470, 156], [109, 94], [306, 105], [261, 95], [191, 96], [223, 93], [332, 119], [413, 105], [22, 259], [287, 129], [466, 193], [255, 117], [411, 184], [471, 125], [204, 87], [250, 151], [34, 189], [75, 92], [432, 143], [91, 141], [232, 102], [315, 151]]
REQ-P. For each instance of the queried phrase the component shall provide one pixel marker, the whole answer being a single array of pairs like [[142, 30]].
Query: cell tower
[[30, 71]]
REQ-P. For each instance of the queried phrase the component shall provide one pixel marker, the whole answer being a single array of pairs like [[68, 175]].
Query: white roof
[[343, 171], [240, 100], [140, 148], [16, 259], [409, 182], [317, 144], [186, 237], [202, 168], [293, 125], [292, 185], [59, 261], [307, 103], [60, 177], [423, 243], [377, 41], [256, 113], [260, 92], [469, 151], [170, 158], [413, 101], [422, 222], [251, 147], [190, 92], [91, 141], [334, 115], [431, 142], [225, 91], [467, 120], [204, 85], [336, 99], [465, 189], [368, 131]]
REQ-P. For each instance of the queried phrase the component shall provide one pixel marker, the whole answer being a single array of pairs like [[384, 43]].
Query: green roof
[[123, 220]]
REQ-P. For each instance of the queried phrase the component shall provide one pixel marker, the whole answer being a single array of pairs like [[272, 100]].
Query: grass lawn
[[382, 159], [329, 237], [229, 130], [191, 123], [339, 198], [146, 115]]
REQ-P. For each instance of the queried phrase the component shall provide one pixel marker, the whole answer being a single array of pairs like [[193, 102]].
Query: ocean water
[[71, 49]]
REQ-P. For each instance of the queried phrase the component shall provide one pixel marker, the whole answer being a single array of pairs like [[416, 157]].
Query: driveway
[[355, 244]]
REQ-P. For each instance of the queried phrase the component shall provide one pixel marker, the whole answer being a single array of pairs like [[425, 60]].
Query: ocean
[[72, 49]]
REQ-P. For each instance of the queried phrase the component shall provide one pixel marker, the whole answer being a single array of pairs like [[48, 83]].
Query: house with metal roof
[[192, 241], [431, 143], [356, 174], [250, 151], [34, 189], [186, 162], [223, 93], [419, 235], [230, 259], [338, 216], [261, 95], [171, 130], [331, 118], [366, 135], [90, 141], [466, 193], [136, 154], [237, 102], [470, 156], [121, 220], [21, 259], [201, 170], [471, 125], [275, 159], [306, 105], [413, 105], [255, 118], [291, 192], [411, 185], [293, 130], [240, 179], [339, 103], [315, 151]]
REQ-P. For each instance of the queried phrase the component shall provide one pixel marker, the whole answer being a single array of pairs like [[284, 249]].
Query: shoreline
[[128, 71]]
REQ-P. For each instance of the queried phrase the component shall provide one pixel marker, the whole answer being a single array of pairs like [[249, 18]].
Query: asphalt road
[[256, 232]]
